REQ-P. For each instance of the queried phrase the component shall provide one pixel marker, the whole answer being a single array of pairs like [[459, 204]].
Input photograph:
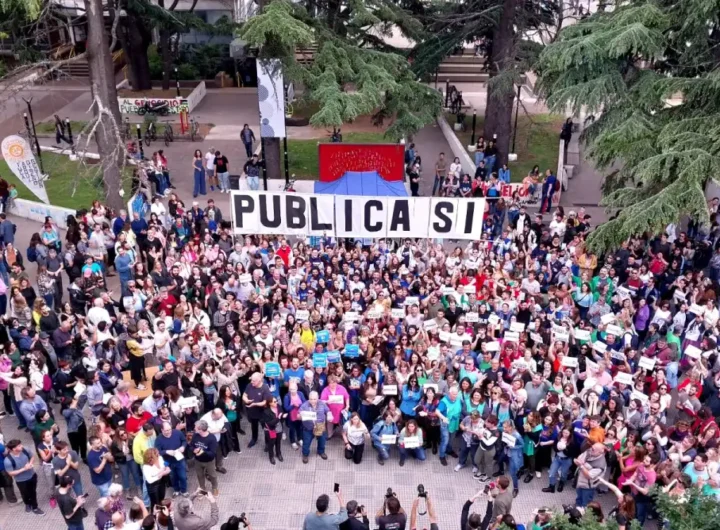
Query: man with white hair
[[186, 519], [217, 424], [205, 446], [256, 396], [98, 313]]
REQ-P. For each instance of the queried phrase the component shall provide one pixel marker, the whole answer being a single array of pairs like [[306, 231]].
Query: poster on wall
[[271, 98], [20, 159], [260, 212]]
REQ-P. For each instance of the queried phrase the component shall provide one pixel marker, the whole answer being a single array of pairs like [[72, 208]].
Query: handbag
[[318, 429]]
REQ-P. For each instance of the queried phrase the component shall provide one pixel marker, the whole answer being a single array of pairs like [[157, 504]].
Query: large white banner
[[261, 212], [271, 98], [20, 159]]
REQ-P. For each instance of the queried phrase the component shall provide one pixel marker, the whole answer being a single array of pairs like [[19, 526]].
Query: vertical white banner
[[407, 217], [469, 219], [271, 98], [322, 215], [357, 216], [20, 159], [245, 218], [443, 216]]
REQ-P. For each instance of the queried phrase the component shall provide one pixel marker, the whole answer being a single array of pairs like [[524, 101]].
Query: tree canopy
[[625, 66], [346, 78]]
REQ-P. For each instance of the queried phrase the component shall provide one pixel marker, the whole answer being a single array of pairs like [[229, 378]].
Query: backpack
[[12, 458], [32, 253], [47, 383]]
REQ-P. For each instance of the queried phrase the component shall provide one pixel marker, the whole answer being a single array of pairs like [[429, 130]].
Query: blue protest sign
[[352, 350], [333, 356], [323, 336], [320, 360], [272, 370]]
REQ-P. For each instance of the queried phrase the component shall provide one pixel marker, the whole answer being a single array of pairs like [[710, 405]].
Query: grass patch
[[66, 175], [48, 127], [303, 154], [536, 144]]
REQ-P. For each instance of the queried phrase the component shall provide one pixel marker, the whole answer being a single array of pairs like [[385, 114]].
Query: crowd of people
[[518, 358]]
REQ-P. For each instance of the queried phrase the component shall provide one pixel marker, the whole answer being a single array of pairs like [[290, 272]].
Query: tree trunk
[[166, 57], [135, 38], [102, 86], [273, 158], [499, 106]]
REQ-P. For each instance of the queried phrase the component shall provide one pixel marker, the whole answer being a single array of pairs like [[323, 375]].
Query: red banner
[[335, 159]]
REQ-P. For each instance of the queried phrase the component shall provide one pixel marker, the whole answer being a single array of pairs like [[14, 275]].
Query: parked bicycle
[[194, 129], [168, 134], [150, 133]]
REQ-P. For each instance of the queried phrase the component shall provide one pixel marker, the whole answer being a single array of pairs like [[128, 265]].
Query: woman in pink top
[[338, 400], [5, 368]]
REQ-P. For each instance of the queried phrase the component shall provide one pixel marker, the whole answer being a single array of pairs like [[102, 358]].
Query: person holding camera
[[320, 519], [422, 494], [186, 519], [391, 516], [357, 517]]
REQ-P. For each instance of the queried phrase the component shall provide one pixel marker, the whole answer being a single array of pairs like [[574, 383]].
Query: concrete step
[[463, 77], [464, 59], [460, 68], [79, 69]]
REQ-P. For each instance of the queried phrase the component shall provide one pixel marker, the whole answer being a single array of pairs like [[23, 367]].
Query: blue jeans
[[479, 155], [76, 526], [514, 467], [383, 450], [199, 183], [585, 496], [253, 182], [178, 475], [490, 163], [224, 179], [104, 489], [48, 299], [468, 450], [642, 508], [437, 185], [444, 439], [77, 488], [563, 466], [137, 477], [307, 440], [418, 453], [22, 424]]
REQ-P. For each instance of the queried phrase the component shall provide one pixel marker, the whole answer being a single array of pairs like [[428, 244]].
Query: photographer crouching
[[391, 516], [187, 519], [497, 510]]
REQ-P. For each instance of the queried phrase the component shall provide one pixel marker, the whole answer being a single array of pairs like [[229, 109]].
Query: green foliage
[[697, 511], [626, 64], [347, 78]]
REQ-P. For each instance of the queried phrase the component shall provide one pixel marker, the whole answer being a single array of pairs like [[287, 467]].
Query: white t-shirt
[[210, 161], [152, 473]]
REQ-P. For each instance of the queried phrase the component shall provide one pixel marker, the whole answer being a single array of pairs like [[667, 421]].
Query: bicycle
[[150, 133], [168, 134], [194, 129]]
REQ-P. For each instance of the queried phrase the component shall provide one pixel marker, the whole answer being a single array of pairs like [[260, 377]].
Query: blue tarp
[[362, 183]]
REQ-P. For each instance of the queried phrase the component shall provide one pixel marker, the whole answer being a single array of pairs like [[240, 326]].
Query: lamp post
[[34, 134], [139, 138], [517, 111], [264, 166], [285, 148], [177, 82], [447, 93], [472, 138], [70, 135]]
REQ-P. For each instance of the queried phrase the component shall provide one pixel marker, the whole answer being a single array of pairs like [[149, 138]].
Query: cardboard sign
[[457, 340], [398, 312], [336, 399], [520, 364], [412, 300], [561, 337], [430, 325], [352, 350], [390, 390], [322, 336], [433, 353], [640, 396], [272, 370], [472, 317], [509, 439], [351, 316], [612, 329], [444, 336], [647, 362], [697, 309], [447, 290], [388, 439], [333, 356], [623, 292], [512, 336], [320, 360], [606, 319], [600, 347], [188, 402], [617, 355], [582, 334], [411, 442], [536, 338], [591, 365], [430, 385], [494, 319], [308, 415], [374, 314], [301, 315], [492, 346], [570, 362], [245, 278], [623, 378], [693, 352], [517, 327]]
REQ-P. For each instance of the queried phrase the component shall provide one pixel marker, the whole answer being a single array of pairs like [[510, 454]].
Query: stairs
[[77, 69], [463, 68]]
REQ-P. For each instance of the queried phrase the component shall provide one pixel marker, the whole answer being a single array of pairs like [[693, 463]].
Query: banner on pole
[[20, 159], [271, 98], [260, 212]]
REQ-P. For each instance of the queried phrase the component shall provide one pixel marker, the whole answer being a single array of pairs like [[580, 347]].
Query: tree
[[513, 29], [626, 64], [346, 78]]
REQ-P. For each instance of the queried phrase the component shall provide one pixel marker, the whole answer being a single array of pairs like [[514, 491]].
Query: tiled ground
[[277, 497]]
